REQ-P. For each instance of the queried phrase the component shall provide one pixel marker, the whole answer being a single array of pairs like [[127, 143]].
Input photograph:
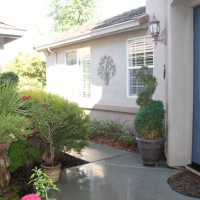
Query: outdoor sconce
[[154, 27]]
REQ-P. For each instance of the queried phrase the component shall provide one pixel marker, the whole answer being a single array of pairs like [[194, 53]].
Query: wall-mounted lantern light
[[154, 27]]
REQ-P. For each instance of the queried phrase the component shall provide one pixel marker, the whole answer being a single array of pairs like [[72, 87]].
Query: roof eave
[[106, 31]]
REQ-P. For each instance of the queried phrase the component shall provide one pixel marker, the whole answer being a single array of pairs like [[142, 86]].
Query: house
[[8, 33], [95, 65]]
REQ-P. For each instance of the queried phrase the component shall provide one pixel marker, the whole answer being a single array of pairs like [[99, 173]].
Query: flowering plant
[[31, 197], [45, 121]]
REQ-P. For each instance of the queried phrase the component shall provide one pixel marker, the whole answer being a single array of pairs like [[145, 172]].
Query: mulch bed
[[116, 144], [20, 178]]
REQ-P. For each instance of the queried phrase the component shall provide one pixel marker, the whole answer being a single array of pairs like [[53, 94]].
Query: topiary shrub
[[149, 121], [69, 124]]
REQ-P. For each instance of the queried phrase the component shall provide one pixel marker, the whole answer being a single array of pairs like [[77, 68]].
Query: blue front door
[[196, 123]]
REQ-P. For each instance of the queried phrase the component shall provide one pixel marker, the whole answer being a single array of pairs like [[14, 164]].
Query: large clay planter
[[52, 169], [151, 150]]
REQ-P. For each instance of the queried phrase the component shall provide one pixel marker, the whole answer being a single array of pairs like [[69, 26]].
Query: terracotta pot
[[52, 169]]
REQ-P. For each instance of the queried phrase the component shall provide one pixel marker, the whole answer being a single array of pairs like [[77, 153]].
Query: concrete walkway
[[116, 175]]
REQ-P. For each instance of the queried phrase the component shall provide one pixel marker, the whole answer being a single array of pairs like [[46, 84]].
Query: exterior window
[[81, 59], [138, 48], [71, 58]]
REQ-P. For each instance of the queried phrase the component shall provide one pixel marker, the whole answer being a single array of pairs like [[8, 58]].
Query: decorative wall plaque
[[106, 69]]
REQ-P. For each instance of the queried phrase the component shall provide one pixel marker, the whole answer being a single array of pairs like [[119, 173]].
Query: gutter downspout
[[50, 51]]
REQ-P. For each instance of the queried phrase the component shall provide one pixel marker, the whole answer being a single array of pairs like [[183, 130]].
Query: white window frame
[[78, 63], [136, 67]]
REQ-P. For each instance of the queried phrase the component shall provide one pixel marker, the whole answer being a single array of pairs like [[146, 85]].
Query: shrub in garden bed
[[20, 154], [68, 123], [112, 132]]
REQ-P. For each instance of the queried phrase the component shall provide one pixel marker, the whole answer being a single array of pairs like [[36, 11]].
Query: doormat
[[186, 183]]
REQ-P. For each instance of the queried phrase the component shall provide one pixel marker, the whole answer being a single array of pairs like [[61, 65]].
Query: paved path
[[116, 175]]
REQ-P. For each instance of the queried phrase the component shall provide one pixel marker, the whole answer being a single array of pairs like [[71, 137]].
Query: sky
[[32, 16]]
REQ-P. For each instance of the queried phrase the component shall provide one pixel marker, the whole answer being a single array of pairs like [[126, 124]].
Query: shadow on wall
[[109, 91]]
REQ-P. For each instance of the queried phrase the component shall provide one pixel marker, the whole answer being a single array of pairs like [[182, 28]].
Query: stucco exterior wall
[[107, 101], [177, 17]]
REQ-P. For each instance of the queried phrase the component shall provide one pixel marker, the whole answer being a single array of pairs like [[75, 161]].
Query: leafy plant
[[68, 13], [149, 121], [59, 123], [116, 130], [11, 76], [10, 101], [31, 70], [19, 153], [42, 183]]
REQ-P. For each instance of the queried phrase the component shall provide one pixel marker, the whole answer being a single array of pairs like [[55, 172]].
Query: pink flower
[[1, 145], [31, 197], [25, 98], [46, 108], [33, 132]]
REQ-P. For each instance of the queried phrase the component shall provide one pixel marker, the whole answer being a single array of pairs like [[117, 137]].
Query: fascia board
[[118, 28]]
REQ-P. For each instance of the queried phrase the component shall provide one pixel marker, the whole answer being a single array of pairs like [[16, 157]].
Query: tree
[[31, 70], [68, 13]]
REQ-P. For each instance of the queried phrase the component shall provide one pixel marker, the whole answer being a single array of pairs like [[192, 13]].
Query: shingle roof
[[7, 26], [127, 16], [98, 25]]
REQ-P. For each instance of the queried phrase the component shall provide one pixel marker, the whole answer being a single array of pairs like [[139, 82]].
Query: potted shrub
[[60, 125], [149, 121]]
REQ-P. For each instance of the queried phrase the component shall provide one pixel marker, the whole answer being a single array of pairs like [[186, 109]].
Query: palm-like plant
[[13, 125]]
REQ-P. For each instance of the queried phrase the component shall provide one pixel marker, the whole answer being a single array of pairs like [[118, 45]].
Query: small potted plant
[[60, 125], [46, 123], [149, 121]]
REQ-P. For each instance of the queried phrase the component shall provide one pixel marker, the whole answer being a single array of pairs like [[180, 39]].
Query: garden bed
[[20, 178], [110, 141]]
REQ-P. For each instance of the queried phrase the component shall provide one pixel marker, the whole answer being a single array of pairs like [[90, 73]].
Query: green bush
[[149, 121], [12, 76], [111, 129], [31, 70], [73, 134], [19, 153]]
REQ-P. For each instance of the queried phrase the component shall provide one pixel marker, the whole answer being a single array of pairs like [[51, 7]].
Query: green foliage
[[10, 101], [111, 129], [57, 121], [5, 76], [19, 153], [150, 84], [31, 70], [33, 153], [149, 121], [13, 128], [68, 13], [42, 183]]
